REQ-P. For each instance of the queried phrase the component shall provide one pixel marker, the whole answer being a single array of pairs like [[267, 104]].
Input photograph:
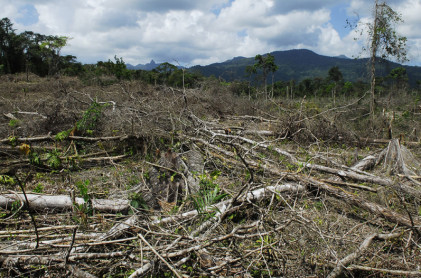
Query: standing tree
[[51, 47], [336, 76], [267, 65], [10, 49], [383, 41], [399, 78]]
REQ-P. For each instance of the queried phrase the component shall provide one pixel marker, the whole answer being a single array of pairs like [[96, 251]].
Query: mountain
[[152, 65], [342, 56], [299, 64]]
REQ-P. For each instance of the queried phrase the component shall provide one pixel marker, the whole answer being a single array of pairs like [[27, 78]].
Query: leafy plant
[[39, 188], [90, 118], [16, 205], [85, 209], [209, 193], [7, 180], [25, 149], [13, 141], [83, 189], [53, 159], [62, 135], [34, 159], [207, 198], [137, 201], [207, 181]]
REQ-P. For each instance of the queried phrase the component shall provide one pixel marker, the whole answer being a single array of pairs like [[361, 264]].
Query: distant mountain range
[[298, 64], [152, 65]]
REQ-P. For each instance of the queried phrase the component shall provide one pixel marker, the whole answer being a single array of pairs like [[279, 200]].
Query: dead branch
[[348, 259], [159, 256], [403, 273], [342, 264], [352, 199], [358, 186], [253, 196]]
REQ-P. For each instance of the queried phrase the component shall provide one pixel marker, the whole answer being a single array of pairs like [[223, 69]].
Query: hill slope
[[300, 64]]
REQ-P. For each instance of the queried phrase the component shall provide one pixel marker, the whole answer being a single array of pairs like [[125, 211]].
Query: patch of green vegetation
[[318, 205], [39, 188], [54, 160], [13, 140], [7, 180], [34, 159], [209, 193], [90, 118], [15, 207], [62, 135], [85, 209], [137, 201], [14, 123]]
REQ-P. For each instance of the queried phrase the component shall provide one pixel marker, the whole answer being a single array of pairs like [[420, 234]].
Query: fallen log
[[367, 163], [252, 196], [62, 202], [383, 271], [349, 174]]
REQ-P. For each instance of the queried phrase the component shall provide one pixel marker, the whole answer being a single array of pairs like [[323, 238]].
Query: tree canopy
[[29, 51]]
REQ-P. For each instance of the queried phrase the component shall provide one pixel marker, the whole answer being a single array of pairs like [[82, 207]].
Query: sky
[[193, 32]]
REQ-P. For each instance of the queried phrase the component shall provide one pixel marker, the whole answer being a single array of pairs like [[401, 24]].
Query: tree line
[[32, 52], [40, 54]]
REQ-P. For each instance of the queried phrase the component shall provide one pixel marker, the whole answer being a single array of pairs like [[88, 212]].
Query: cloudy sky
[[195, 32]]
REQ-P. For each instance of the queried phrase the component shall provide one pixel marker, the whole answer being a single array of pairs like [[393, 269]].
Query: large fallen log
[[366, 163], [62, 202]]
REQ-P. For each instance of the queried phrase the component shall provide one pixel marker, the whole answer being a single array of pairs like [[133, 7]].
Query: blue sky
[[203, 32]]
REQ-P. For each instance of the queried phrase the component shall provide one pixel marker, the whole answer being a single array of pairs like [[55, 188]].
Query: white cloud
[[201, 32]]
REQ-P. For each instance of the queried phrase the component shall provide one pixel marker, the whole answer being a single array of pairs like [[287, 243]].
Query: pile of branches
[[218, 195], [258, 208]]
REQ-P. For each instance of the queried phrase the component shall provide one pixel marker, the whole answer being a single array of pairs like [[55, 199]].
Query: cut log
[[367, 163], [399, 160], [62, 202]]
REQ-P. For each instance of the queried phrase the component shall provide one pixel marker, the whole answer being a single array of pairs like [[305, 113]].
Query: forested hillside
[[304, 64]]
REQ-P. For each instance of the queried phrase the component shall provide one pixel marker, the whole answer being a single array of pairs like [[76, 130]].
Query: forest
[[110, 172]]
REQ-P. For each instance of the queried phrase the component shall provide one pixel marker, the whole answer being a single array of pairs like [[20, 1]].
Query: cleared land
[[132, 180]]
